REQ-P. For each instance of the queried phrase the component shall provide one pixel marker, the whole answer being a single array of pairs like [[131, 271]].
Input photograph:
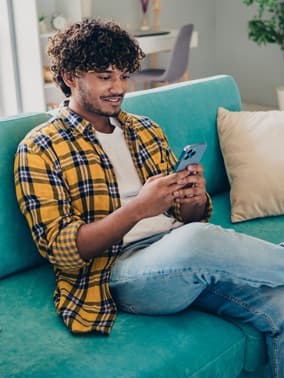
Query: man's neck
[[100, 122]]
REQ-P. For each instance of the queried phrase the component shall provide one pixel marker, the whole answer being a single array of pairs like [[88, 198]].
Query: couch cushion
[[255, 355], [252, 146], [269, 228], [17, 248], [192, 118], [37, 344]]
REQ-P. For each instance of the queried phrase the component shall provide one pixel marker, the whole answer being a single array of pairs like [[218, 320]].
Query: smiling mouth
[[113, 99]]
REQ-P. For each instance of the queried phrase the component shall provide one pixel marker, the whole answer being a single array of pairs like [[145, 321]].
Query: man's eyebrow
[[106, 71]]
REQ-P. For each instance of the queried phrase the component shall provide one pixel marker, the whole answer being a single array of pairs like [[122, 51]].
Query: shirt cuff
[[65, 250]]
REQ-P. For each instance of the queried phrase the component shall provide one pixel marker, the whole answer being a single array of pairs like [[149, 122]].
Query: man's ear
[[69, 79]]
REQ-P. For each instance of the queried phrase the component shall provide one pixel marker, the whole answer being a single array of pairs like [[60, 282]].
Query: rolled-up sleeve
[[44, 200]]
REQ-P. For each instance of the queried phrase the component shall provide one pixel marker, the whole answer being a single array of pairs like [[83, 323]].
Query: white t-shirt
[[129, 184]]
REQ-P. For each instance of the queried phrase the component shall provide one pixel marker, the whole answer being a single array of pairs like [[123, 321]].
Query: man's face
[[100, 93]]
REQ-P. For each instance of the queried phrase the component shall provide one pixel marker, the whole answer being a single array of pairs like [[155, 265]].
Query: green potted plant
[[268, 27], [42, 24]]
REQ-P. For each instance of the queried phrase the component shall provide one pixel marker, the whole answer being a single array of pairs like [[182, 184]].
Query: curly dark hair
[[91, 45]]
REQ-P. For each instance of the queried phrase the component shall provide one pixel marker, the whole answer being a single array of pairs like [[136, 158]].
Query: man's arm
[[156, 196], [62, 236]]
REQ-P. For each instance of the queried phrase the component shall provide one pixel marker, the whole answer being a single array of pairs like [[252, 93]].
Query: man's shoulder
[[42, 136], [139, 122]]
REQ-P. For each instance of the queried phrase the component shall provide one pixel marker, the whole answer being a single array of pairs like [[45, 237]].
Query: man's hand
[[194, 187], [159, 193], [192, 196]]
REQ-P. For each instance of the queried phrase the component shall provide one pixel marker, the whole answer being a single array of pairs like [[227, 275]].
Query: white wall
[[257, 69]]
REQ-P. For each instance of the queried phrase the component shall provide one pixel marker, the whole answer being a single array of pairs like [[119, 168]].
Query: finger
[[193, 181], [195, 169], [190, 192], [176, 177], [156, 177], [191, 198]]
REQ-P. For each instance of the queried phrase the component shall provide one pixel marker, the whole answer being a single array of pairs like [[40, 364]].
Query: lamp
[[145, 22]]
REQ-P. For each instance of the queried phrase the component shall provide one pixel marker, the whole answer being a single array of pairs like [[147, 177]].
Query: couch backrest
[[17, 250], [187, 112]]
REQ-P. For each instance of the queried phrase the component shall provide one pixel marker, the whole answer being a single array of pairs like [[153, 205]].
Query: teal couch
[[33, 340]]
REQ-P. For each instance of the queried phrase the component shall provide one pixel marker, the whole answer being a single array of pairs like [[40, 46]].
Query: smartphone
[[191, 154]]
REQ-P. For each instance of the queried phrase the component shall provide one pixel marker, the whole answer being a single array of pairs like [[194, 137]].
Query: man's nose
[[118, 86]]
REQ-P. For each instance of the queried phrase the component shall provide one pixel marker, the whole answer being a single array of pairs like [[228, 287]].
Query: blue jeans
[[220, 270]]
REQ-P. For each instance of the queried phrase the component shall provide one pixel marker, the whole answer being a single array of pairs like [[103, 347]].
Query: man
[[97, 188]]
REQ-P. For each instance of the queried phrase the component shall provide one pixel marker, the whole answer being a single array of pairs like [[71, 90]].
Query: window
[[10, 100], [21, 81]]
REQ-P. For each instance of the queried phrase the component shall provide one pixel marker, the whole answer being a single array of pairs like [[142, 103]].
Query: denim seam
[[167, 271], [157, 273]]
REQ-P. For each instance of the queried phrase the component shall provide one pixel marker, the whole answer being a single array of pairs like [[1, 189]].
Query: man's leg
[[168, 275], [261, 307]]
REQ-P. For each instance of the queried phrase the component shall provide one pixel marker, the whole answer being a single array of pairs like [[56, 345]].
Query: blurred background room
[[219, 45]]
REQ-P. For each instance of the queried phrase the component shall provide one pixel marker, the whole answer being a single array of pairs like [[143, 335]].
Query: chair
[[177, 65]]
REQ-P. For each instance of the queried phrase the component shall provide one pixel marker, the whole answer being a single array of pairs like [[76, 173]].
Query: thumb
[[156, 177]]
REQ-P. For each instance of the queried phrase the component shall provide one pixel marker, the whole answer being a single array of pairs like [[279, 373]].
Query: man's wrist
[[135, 210], [208, 208]]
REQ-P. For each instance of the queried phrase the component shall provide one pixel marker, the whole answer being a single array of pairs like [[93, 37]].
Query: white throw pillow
[[252, 145]]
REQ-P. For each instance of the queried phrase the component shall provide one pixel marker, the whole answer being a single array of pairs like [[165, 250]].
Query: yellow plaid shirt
[[64, 179]]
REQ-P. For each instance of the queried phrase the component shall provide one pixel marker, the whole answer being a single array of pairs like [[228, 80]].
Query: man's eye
[[104, 77], [125, 77]]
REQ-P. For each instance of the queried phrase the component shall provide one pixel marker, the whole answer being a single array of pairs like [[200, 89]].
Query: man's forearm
[[94, 238]]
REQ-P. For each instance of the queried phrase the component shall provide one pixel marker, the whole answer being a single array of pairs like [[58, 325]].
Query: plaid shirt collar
[[82, 125]]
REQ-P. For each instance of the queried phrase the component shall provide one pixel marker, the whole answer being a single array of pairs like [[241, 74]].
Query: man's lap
[[167, 272]]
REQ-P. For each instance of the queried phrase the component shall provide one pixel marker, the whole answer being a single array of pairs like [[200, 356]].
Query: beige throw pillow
[[252, 144]]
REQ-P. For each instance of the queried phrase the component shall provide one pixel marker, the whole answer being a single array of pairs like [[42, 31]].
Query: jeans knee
[[202, 242], [198, 234]]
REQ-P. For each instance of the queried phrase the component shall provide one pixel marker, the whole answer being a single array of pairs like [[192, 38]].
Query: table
[[152, 44]]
